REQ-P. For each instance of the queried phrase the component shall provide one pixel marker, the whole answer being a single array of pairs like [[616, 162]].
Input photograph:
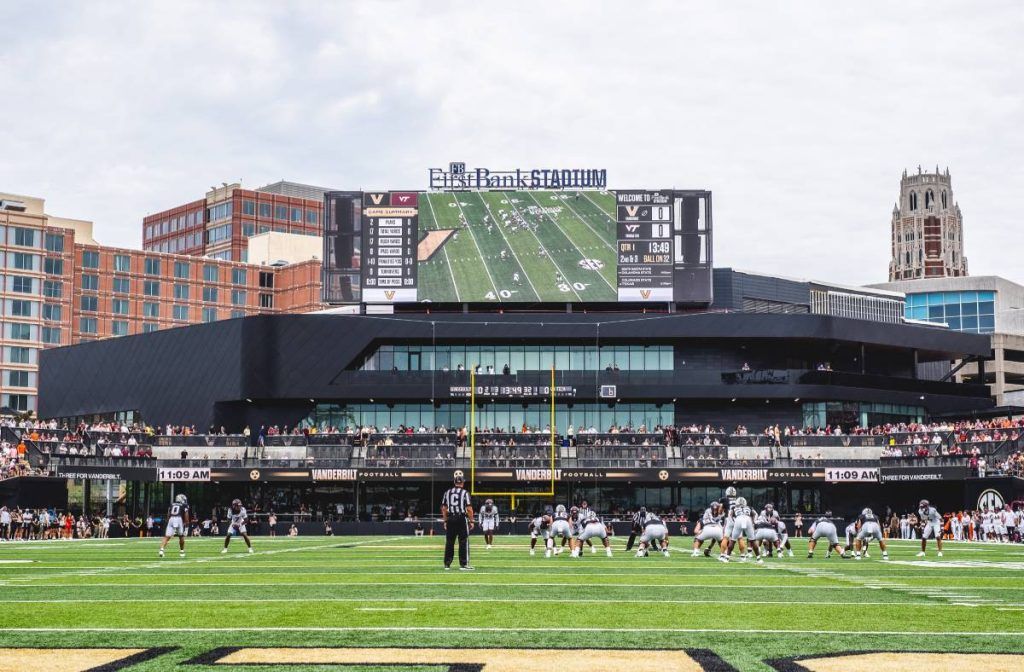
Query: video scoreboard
[[646, 259], [390, 237], [529, 246]]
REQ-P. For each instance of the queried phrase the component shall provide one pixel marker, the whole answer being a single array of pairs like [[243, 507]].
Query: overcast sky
[[800, 117]]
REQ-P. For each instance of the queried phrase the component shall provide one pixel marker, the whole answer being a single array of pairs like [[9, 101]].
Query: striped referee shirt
[[457, 501]]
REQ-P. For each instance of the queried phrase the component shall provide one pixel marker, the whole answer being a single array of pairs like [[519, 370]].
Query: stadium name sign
[[458, 178]]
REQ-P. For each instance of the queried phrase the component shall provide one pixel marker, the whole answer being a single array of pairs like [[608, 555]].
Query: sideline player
[[932, 521], [655, 533], [592, 527], [560, 527], [238, 518], [177, 524], [824, 527], [869, 529], [488, 516], [742, 528], [710, 529], [538, 527]]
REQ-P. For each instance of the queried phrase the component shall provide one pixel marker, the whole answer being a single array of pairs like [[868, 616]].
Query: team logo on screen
[[991, 499]]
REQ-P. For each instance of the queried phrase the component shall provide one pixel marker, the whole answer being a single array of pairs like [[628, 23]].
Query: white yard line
[[484, 600], [547, 252], [480, 252], [545, 629], [567, 237], [511, 249]]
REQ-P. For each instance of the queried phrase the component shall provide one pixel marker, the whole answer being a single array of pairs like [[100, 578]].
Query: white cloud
[[800, 117]]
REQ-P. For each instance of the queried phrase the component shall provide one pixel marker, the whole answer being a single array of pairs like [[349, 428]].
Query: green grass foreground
[[393, 592]]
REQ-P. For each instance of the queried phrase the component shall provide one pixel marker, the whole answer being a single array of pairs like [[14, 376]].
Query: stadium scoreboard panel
[[528, 246], [390, 236]]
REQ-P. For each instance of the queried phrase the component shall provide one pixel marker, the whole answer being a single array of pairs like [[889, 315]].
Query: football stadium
[[544, 399]]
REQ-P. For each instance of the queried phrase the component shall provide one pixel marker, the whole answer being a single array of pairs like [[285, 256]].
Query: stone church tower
[[927, 229]]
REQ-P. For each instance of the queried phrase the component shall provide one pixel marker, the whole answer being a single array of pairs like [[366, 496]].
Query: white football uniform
[[932, 523], [742, 523], [765, 530], [176, 520], [488, 518], [824, 527], [710, 527], [238, 521], [869, 528], [592, 527], [654, 528], [560, 527]]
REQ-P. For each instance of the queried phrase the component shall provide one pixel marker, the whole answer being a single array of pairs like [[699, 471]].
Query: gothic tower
[[927, 229]]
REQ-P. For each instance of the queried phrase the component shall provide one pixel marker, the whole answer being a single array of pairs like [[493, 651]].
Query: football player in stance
[[742, 528], [238, 518], [823, 527], [560, 527], [655, 533], [932, 521], [766, 532], [869, 529], [177, 524], [488, 519], [582, 514], [710, 530], [539, 529], [591, 527], [851, 537], [780, 525]]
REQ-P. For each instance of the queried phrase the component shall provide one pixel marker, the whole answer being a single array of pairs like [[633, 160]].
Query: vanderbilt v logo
[[376, 198], [389, 294], [645, 293], [631, 210]]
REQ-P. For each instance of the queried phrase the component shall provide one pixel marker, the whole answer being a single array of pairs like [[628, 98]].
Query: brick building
[[60, 287], [220, 224]]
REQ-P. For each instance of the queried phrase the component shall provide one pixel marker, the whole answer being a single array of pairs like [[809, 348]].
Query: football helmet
[[730, 491], [866, 512], [236, 505], [558, 509], [181, 499], [923, 504], [769, 507], [741, 501], [489, 502]]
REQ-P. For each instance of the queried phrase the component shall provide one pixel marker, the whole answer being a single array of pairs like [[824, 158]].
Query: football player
[[766, 532], [177, 524], [780, 524], [742, 528], [488, 519], [851, 537], [538, 527], [655, 533], [560, 527], [592, 527], [238, 517], [582, 514], [710, 529], [869, 529], [932, 521], [823, 527]]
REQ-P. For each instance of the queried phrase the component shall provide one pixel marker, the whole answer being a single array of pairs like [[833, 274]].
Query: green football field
[[566, 253], [317, 603]]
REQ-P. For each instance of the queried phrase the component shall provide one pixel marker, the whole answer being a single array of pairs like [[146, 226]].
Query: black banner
[[923, 473], [103, 472]]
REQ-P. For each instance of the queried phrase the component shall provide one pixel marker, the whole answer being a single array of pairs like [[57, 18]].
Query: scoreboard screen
[[530, 246]]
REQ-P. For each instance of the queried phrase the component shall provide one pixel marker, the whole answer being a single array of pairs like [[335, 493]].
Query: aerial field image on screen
[[518, 246]]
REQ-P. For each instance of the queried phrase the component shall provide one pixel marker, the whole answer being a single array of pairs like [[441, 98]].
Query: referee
[[457, 514]]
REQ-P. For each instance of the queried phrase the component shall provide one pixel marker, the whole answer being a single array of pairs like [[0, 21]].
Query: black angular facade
[[728, 368]]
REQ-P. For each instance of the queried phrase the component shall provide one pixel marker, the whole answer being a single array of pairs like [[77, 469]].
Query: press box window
[[90, 259]]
